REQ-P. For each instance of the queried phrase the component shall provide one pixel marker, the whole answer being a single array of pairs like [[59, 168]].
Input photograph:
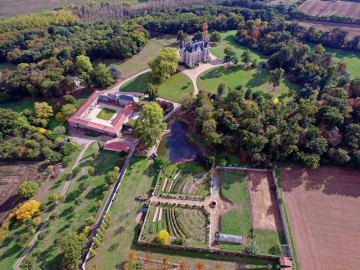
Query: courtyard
[[102, 114]]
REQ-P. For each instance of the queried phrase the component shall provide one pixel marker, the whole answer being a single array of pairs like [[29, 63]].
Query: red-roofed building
[[85, 116], [116, 146], [286, 263]]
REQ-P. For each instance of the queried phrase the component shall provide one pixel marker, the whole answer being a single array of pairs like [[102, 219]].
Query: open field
[[11, 176], [323, 208], [328, 8], [9, 8], [265, 213], [228, 39], [353, 29], [173, 88], [138, 62], [19, 234], [106, 114], [237, 75]]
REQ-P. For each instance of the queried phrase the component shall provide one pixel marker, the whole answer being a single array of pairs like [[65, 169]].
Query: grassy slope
[[172, 89], [71, 216], [138, 62], [236, 75], [10, 249]]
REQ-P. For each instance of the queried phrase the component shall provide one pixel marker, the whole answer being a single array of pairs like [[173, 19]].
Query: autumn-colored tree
[[149, 256], [165, 262], [27, 210], [163, 237], [199, 265], [219, 266], [183, 265], [43, 110], [132, 255]]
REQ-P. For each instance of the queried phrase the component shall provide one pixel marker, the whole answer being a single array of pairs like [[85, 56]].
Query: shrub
[[36, 221], [55, 157], [96, 241], [65, 161], [277, 249], [116, 169], [180, 241], [68, 149], [252, 248], [76, 171], [92, 252], [61, 130], [163, 237], [90, 221], [91, 170], [78, 200], [28, 189], [111, 177], [41, 236], [27, 210]]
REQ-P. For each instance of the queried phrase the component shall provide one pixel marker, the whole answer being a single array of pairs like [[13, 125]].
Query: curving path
[[195, 72]]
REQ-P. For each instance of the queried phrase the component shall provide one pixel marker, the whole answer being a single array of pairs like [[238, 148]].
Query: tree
[[215, 37], [67, 110], [354, 87], [199, 265], [230, 56], [319, 49], [72, 246], [246, 57], [183, 265], [28, 189], [221, 89], [275, 77], [27, 210], [111, 177], [114, 71], [91, 170], [83, 64], [338, 156], [163, 237], [69, 99], [152, 91], [149, 126], [101, 76], [43, 110], [198, 36], [252, 248], [164, 64], [181, 36], [161, 162]]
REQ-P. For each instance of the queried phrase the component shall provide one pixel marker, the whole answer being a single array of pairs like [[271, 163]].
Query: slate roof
[[195, 46], [118, 96]]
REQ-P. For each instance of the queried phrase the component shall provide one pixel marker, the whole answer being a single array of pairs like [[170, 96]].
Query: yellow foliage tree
[[163, 237], [276, 101], [27, 210]]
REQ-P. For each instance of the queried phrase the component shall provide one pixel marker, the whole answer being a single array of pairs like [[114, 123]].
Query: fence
[[242, 169]]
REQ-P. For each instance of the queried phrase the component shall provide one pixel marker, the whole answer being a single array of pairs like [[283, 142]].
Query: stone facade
[[194, 52]]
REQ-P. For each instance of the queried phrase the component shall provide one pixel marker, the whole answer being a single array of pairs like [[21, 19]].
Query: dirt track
[[328, 8], [264, 213], [324, 212]]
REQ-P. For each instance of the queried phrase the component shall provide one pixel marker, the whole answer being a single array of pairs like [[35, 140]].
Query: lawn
[[106, 114], [139, 61], [173, 88], [352, 59], [80, 204], [234, 187], [12, 247], [228, 39], [237, 75], [266, 240]]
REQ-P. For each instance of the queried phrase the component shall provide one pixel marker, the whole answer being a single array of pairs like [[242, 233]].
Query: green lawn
[[172, 89], [7, 66], [266, 240], [11, 248], [228, 39], [138, 62], [106, 114], [352, 59], [78, 206], [234, 187], [237, 75]]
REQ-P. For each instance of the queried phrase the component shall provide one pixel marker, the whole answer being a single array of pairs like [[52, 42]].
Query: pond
[[175, 146]]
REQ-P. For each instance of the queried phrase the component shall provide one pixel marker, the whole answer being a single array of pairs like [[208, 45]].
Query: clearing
[[237, 75], [323, 208], [329, 8], [172, 89]]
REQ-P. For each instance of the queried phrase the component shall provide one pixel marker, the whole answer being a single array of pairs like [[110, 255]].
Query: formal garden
[[186, 225], [183, 180]]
